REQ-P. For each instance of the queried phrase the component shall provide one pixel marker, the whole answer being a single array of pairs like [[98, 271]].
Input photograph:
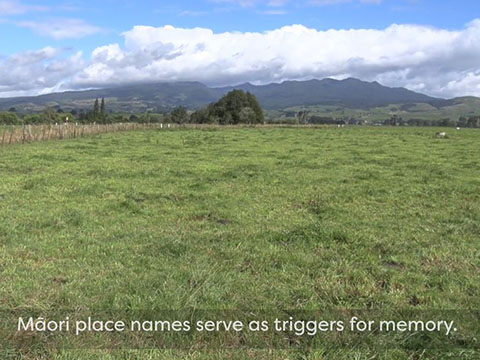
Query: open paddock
[[240, 218]]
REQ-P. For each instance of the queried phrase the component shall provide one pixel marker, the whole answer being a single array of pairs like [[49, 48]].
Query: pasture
[[240, 218]]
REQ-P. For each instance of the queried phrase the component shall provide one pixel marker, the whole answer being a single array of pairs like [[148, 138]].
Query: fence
[[31, 133]]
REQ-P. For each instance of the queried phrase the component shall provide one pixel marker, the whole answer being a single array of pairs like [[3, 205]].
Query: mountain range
[[160, 97]]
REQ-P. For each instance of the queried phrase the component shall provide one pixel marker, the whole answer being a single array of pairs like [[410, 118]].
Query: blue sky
[[115, 17], [72, 32]]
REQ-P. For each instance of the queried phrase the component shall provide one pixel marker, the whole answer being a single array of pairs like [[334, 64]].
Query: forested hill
[[159, 97], [352, 93]]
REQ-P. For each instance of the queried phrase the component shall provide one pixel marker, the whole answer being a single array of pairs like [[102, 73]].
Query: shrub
[[8, 118]]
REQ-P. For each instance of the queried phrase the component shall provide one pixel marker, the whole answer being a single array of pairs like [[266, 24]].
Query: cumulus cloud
[[36, 72], [435, 61]]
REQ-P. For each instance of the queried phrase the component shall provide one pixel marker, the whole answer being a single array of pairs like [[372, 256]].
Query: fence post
[[29, 133]]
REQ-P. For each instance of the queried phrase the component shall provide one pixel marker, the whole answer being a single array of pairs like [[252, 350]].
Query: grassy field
[[253, 218]]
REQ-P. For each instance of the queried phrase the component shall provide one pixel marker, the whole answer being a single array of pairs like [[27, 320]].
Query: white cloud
[[35, 72], [15, 8], [61, 28], [435, 61], [57, 28]]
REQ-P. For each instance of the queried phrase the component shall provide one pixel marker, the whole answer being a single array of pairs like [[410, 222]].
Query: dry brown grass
[[32, 133]]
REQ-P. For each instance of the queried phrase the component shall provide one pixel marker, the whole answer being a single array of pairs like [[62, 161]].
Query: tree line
[[96, 115], [236, 107], [463, 122], [50, 115]]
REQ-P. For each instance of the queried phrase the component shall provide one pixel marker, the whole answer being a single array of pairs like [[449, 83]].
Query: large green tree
[[236, 107]]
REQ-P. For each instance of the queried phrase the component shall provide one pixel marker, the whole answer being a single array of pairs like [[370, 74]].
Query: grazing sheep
[[441, 135]]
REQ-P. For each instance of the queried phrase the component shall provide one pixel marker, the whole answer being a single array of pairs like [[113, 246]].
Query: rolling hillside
[[160, 97], [352, 93]]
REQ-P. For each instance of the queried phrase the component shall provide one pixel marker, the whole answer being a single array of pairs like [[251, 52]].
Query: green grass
[[355, 218]]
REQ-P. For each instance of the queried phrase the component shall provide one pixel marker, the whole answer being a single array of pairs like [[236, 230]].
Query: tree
[[247, 115], [257, 109], [236, 107], [8, 118], [447, 122], [462, 121], [395, 120], [96, 110], [202, 116], [49, 115], [82, 116], [303, 116], [34, 119], [473, 122], [322, 120], [102, 110], [179, 115]]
